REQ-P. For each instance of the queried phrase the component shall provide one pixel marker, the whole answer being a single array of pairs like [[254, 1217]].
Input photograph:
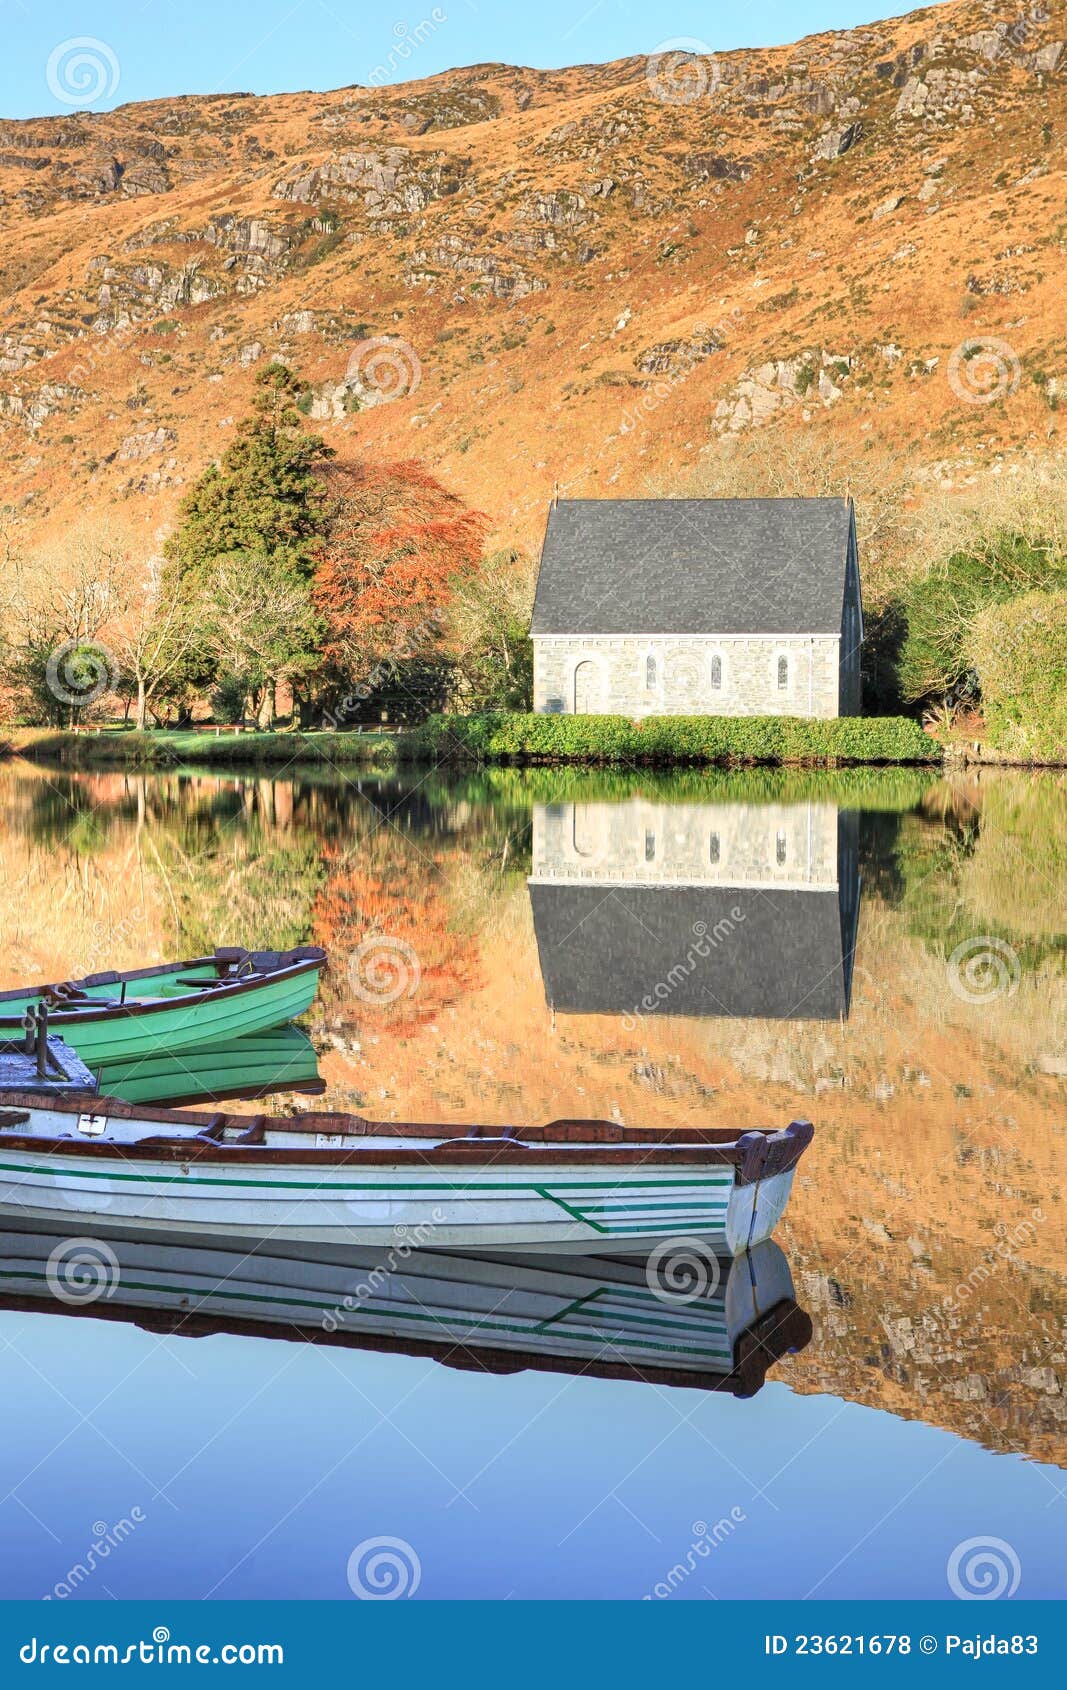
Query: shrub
[[496, 737], [940, 606], [1019, 651]]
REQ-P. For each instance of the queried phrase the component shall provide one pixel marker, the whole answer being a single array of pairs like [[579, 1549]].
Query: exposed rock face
[[146, 444], [810, 379], [714, 167], [832, 143], [386, 182], [942, 94], [231, 233], [124, 294], [504, 279], [146, 178], [677, 357], [561, 208]]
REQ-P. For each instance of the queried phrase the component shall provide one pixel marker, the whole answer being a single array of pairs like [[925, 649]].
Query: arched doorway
[[587, 688]]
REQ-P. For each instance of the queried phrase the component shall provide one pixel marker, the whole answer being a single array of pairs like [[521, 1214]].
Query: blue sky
[[143, 49]]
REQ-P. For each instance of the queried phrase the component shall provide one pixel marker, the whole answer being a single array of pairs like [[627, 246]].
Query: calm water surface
[[884, 953]]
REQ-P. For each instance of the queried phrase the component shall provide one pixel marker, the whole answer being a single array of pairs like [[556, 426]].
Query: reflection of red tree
[[395, 894]]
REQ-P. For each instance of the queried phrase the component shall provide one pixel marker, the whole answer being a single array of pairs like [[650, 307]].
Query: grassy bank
[[162, 749], [665, 740]]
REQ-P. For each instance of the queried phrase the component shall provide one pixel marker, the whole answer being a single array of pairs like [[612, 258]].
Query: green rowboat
[[282, 1059], [177, 1006]]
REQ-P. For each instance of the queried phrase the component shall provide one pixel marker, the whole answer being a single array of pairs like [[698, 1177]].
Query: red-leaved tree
[[395, 541]]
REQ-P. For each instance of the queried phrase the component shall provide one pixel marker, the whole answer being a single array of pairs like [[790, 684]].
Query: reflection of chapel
[[618, 889]]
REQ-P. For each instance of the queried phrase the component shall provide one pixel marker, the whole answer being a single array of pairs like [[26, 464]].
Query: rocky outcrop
[[386, 183], [147, 443], [715, 167], [942, 94], [484, 272], [126, 294], [832, 143], [242, 235], [811, 379]]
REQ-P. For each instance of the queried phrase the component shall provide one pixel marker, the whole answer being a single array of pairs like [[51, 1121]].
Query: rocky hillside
[[588, 277]]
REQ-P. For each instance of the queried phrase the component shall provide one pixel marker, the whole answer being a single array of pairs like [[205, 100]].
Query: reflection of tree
[[993, 860], [390, 887]]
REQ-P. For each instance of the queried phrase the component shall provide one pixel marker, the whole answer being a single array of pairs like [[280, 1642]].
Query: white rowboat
[[320, 1178]]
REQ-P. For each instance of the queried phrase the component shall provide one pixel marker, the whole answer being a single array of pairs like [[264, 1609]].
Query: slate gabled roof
[[693, 566]]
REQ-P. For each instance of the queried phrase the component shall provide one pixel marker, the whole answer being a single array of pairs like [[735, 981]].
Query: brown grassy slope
[[590, 284]]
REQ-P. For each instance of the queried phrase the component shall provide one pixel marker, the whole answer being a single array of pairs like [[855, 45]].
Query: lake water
[[881, 952]]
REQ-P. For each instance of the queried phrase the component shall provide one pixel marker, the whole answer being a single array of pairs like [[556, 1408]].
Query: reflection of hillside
[[646, 908]]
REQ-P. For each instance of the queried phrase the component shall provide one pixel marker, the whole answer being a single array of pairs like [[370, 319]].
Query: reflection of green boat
[[281, 1059], [179, 1006]]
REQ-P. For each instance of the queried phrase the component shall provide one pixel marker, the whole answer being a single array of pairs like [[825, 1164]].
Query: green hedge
[[512, 737]]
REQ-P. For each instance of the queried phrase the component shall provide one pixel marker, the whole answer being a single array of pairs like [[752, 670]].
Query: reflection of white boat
[[321, 1178], [610, 1317]]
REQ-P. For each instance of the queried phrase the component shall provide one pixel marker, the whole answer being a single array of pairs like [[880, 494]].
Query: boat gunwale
[[60, 1018], [754, 1155]]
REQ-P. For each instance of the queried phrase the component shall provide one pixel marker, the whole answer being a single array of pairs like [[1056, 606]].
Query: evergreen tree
[[249, 536]]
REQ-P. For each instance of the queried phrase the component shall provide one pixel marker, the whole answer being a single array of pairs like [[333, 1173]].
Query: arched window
[[650, 845], [716, 671], [714, 849], [779, 847], [783, 673], [650, 672]]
